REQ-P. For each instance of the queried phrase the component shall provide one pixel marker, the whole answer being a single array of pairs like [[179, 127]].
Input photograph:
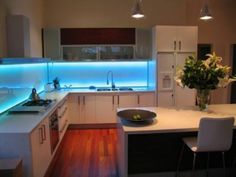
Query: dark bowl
[[136, 115]]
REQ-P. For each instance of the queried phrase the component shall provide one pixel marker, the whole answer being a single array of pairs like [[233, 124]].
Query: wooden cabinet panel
[[73, 36]]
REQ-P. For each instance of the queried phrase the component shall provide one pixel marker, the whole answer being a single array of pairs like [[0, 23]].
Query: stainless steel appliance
[[31, 107], [54, 130]]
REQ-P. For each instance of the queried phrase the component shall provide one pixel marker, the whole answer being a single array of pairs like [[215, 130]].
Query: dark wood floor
[[86, 153]]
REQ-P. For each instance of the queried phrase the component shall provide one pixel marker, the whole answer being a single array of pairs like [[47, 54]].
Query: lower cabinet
[[106, 108], [101, 108], [40, 146]]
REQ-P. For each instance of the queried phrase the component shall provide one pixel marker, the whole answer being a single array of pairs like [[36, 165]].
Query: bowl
[[136, 115]]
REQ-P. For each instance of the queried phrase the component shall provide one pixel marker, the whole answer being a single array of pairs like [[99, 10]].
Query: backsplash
[[17, 81], [85, 74]]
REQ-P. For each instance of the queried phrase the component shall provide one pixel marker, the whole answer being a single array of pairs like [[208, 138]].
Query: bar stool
[[215, 134]]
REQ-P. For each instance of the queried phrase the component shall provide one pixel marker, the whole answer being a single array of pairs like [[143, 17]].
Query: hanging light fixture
[[137, 11], [205, 13]]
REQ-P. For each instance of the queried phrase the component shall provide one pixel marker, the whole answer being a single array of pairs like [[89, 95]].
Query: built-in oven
[[54, 130]]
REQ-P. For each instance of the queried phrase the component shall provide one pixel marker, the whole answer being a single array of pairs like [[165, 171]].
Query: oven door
[[54, 131]]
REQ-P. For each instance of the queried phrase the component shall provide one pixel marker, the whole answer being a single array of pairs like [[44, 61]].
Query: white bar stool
[[215, 134]]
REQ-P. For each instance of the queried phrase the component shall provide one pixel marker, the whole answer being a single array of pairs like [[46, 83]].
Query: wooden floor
[[87, 153]]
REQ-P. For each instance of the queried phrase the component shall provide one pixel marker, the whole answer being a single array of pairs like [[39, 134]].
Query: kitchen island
[[153, 147]]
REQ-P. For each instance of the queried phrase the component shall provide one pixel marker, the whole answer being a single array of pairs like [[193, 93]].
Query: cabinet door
[[74, 106], [187, 38], [105, 109], [63, 117], [40, 145], [51, 43], [165, 99], [129, 100], [146, 99], [88, 109], [166, 40], [143, 43]]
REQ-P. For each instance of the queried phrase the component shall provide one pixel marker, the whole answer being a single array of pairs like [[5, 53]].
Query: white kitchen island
[[135, 150]]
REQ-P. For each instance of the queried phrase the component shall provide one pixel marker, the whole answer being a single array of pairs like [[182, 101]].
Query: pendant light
[[205, 13], [136, 11]]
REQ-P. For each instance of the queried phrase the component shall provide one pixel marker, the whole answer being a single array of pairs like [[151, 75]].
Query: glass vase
[[203, 99]]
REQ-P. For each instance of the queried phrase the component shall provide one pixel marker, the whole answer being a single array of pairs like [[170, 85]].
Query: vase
[[203, 99]]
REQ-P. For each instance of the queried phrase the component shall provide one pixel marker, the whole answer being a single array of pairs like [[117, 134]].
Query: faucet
[[112, 82]]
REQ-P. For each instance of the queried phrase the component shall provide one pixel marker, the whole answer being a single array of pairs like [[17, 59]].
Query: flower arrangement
[[204, 75]]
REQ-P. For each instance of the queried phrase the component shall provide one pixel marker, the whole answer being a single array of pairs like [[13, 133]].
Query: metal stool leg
[[194, 161], [179, 161], [223, 159], [208, 159]]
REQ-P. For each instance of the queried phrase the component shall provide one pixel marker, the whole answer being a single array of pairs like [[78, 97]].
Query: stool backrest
[[215, 134]]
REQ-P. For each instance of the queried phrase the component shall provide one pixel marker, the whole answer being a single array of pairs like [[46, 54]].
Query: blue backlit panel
[[17, 81], [85, 74]]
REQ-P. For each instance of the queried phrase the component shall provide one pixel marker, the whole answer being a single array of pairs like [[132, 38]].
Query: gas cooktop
[[31, 107], [37, 103]]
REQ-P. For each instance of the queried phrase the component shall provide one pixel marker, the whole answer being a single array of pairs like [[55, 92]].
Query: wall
[[33, 10], [220, 32]]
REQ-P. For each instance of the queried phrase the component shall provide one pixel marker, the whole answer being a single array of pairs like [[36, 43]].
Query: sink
[[106, 89], [114, 89]]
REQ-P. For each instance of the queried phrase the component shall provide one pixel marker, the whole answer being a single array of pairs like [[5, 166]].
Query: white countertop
[[177, 120], [25, 123]]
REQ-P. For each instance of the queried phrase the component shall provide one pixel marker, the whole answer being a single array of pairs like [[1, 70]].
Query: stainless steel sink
[[114, 89]]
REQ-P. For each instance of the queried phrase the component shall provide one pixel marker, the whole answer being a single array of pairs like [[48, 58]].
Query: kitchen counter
[[178, 119], [154, 147], [25, 123]]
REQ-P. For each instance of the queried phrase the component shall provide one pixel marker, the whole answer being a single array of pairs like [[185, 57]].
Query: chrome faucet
[[112, 82]]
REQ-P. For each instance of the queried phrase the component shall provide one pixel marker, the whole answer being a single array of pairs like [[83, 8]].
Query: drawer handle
[[41, 135]]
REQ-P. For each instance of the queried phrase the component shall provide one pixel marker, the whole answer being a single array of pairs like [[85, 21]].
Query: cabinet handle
[[179, 45], [64, 126], [174, 45], [113, 100], [41, 135], [118, 100], [83, 100], [79, 100], [44, 132], [63, 113], [138, 99]]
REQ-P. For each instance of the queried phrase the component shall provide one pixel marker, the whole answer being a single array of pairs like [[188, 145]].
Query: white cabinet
[[127, 100], [176, 38], [82, 108], [173, 44], [146, 99], [106, 108], [40, 146], [51, 43], [101, 108], [18, 36]]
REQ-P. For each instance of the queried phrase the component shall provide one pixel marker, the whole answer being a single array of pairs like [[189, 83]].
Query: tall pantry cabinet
[[172, 44]]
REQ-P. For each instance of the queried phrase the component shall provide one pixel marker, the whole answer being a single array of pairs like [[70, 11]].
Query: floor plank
[[87, 153]]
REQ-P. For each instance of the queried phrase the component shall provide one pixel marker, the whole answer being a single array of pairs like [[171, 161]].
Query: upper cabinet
[[51, 43], [94, 44], [176, 38], [18, 36]]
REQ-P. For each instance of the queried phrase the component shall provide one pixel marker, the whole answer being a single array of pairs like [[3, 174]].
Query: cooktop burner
[[37, 103]]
